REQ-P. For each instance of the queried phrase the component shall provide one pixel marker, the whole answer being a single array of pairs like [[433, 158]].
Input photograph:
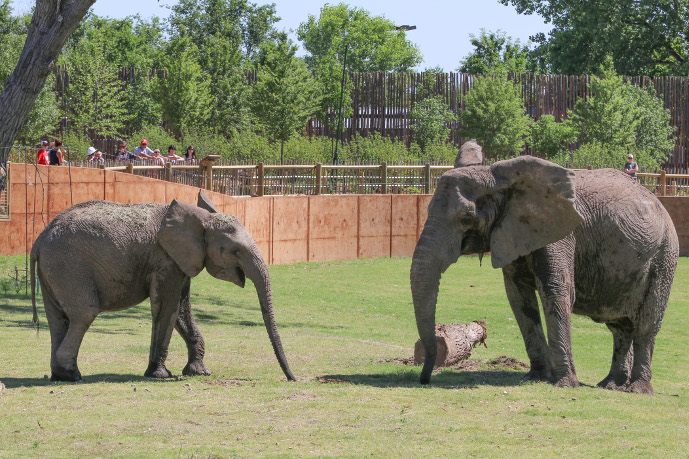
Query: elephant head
[[509, 209], [196, 238]]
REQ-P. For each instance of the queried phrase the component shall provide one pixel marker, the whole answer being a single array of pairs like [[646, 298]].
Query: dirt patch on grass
[[471, 365]]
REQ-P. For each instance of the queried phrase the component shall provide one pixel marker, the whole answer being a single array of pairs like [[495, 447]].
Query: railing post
[[101, 166], [590, 168], [260, 177], [427, 179], [360, 174], [663, 184], [208, 174], [319, 178], [168, 172], [384, 178], [130, 167]]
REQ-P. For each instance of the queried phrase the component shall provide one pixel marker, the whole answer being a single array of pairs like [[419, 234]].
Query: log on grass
[[455, 343]]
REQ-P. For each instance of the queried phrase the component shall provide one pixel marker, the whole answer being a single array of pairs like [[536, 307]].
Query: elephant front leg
[[186, 327], [554, 271], [164, 309], [521, 293]]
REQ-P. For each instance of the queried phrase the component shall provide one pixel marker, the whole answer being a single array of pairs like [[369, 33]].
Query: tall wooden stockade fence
[[381, 102]]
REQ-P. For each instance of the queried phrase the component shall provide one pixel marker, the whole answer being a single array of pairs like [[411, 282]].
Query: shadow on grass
[[11, 383], [446, 379]]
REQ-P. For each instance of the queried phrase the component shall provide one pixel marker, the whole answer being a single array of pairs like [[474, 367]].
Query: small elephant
[[102, 256], [588, 242]]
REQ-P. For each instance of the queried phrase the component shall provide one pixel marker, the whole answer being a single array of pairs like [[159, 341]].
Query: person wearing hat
[[42, 156], [142, 151], [630, 167], [94, 155]]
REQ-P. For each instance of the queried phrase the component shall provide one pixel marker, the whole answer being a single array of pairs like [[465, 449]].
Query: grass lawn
[[338, 322]]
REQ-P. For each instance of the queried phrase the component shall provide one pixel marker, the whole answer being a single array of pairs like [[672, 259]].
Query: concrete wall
[[287, 229]]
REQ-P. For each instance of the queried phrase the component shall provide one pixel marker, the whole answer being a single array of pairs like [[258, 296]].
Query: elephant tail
[[34, 257]]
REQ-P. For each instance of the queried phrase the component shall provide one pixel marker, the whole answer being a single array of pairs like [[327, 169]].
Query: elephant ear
[[469, 154], [181, 235], [205, 202], [538, 210]]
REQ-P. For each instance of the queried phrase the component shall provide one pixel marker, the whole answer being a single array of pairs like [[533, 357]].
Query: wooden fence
[[381, 101]]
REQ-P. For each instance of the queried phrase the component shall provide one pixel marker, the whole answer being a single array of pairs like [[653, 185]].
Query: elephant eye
[[466, 220], [235, 252]]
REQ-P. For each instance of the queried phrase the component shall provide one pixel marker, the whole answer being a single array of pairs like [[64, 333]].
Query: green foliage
[[142, 108], [157, 138], [286, 95], [184, 95], [248, 147], [95, 94], [549, 138], [428, 121], [495, 52], [76, 143], [370, 43], [644, 38], [620, 118], [205, 143], [495, 116]]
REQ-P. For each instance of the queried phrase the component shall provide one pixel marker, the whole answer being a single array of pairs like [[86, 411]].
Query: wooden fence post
[[208, 175], [260, 178], [168, 172], [319, 177], [360, 175], [130, 167], [384, 178], [663, 184], [427, 178], [101, 166]]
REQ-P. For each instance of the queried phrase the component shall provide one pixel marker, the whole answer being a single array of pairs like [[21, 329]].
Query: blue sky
[[443, 26]]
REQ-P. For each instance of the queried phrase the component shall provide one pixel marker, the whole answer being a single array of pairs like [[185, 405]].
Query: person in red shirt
[[42, 156]]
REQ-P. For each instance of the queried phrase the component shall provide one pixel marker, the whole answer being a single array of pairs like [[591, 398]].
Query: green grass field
[[339, 322]]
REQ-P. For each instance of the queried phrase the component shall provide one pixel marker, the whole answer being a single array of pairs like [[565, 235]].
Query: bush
[[157, 138], [549, 138]]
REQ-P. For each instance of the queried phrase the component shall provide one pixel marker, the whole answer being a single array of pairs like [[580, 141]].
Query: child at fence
[[56, 155], [172, 154], [42, 156], [157, 158]]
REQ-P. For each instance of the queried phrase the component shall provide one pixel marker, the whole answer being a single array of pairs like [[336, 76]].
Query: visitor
[[172, 155], [56, 155], [94, 155], [42, 156], [142, 151], [122, 154], [190, 155], [158, 158], [630, 167]]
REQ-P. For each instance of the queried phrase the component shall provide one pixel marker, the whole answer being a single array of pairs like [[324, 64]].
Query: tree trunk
[[455, 342], [52, 23]]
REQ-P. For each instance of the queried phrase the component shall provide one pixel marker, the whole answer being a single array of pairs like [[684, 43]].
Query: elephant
[[590, 242], [103, 256]]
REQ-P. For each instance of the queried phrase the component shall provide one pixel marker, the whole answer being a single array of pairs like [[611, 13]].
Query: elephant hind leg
[[622, 356], [58, 324], [640, 380]]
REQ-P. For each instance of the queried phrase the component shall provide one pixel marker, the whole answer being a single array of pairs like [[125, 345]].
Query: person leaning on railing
[[42, 156], [142, 151], [56, 155], [172, 155], [122, 154], [190, 155], [630, 167]]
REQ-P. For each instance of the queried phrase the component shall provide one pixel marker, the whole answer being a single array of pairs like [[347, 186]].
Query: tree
[[429, 115], [286, 95], [644, 38], [184, 95], [369, 43], [619, 118], [495, 116], [95, 94], [52, 23], [549, 139], [495, 52]]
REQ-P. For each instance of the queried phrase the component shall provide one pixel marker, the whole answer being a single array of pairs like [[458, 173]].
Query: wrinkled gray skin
[[588, 242], [102, 256]]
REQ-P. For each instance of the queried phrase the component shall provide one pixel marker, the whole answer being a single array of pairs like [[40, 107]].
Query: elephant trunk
[[431, 258], [257, 271]]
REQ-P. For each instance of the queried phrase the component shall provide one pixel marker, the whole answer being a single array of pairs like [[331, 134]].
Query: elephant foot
[[640, 387], [610, 384], [195, 369], [63, 374], [570, 380], [536, 374], [157, 371]]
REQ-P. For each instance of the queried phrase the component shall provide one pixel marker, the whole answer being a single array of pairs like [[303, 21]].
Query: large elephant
[[102, 256], [588, 242]]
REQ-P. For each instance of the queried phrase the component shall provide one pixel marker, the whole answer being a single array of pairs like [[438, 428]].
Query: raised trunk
[[257, 272], [431, 258]]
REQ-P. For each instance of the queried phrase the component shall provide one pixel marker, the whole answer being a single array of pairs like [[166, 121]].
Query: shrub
[[549, 138]]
